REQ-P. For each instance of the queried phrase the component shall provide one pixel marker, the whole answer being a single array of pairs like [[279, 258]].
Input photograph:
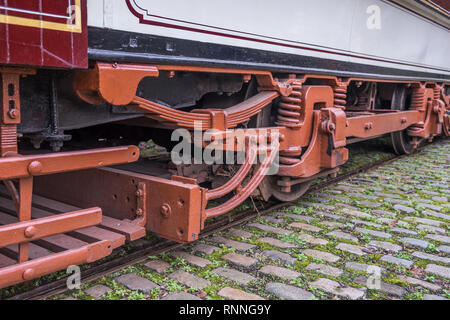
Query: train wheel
[[296, 192], [400, 141]]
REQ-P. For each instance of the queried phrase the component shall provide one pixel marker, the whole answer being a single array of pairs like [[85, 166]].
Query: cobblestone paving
[[392, 221]]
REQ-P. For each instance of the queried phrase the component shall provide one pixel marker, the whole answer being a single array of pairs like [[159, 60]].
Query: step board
[[6, 261], [114, 230]]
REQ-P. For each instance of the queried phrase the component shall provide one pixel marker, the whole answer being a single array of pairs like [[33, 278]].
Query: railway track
[[222, 223]]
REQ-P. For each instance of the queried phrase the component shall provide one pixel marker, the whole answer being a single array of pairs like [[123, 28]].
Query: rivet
[[35, 167], [28, 274], [30, 232]]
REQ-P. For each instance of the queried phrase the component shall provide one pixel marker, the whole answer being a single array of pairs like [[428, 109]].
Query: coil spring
[[340, 96], [289, 115], [417, 103], [436, 93], [418, 99], [289, 107]]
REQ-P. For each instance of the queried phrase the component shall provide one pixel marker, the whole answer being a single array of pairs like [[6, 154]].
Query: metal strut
[[243, 193]]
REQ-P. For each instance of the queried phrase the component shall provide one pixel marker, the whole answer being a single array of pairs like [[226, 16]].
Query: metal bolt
[[436, 108], [12, 113], [165, 210], [139, 193], [331, 126]]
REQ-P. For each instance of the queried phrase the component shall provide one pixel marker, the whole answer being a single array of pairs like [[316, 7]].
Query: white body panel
[[329, 29]]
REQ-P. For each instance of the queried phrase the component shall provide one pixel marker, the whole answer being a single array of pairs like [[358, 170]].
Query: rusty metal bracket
[[365, 126], [10, 107], [10, 98], [141, 205], [446, 124], [321, 128], [319, 155], [335, 125], [117, 83], [174, 209], [423, 101], [113, 83], [170, 208]]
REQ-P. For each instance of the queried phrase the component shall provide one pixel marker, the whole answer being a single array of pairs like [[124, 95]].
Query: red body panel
[[44, 33], [443, 4]]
